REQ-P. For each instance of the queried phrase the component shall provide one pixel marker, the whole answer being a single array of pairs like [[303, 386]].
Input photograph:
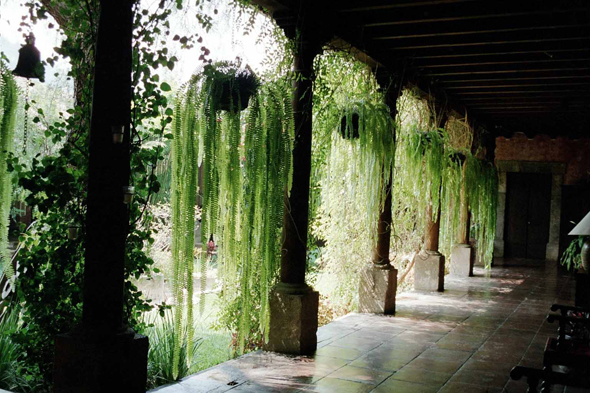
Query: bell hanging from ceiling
[[29, 61]]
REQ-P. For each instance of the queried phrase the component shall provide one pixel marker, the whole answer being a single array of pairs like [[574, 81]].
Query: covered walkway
[[463, 340]]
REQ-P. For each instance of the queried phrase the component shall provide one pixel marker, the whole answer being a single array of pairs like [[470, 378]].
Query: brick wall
[[575, 153]]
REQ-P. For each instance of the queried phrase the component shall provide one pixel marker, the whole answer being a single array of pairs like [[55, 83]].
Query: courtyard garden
[[211, 145]]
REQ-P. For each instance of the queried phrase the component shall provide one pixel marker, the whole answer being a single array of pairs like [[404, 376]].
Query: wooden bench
[[566, 359]]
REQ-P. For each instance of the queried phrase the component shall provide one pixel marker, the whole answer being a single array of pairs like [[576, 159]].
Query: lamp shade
[[583, 227]]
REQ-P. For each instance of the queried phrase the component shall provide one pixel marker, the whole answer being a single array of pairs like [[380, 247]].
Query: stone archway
[[557, 171]]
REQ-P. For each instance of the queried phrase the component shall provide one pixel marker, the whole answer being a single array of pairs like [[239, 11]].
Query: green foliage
[[184, 191], [425, 177], [572, 256], [8, 100], [450, 219], [245, 174], [348, 174], [51, 265], [407, 230], [162, 333], [481, 178], [50, 285], [424, 160], [12, 374], [433, 174]]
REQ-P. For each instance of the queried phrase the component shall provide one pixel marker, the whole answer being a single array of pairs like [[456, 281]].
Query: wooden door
[[528, 205]]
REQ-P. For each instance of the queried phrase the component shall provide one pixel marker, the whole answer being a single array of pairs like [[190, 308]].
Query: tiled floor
[[463, 340]]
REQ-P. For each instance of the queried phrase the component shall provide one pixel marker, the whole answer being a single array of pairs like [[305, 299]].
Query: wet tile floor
[[466, 339]]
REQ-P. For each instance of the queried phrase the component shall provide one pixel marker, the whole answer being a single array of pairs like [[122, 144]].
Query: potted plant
[[572, 256], [579, 249], [349, 125], [232, 85]]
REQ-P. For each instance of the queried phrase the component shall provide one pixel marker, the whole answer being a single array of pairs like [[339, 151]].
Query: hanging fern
[[246, 163], [433, 174], [352, 158], [185, 154], [8, 100], [453, 181], [481, 178], [424, 159]]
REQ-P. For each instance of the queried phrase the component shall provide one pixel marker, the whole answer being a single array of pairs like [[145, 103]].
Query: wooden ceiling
[[519, 65]]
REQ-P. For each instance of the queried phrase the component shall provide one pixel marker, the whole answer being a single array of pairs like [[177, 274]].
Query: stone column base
[[499, 248], [429, 271], [552, 251], [377, 290], [293, 320], [462, 260], [88, 364]]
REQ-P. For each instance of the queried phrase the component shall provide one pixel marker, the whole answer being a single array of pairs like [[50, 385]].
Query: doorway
[[528, 206]]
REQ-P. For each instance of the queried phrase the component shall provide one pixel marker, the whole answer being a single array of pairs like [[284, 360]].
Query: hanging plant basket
[[349, 126], [457, 157], [425, 137], [235, 86]]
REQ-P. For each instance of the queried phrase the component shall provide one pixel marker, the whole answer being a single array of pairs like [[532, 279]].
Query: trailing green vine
[[435, 171], [245, 157], [423, 155], [481, 178], [56, 184], [8, 101], [352, 156]]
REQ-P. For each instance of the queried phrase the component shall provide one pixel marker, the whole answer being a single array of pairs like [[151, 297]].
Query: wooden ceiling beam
[[523, 92], [533, 21], [518, 43], [513, 98], [490, 48], [521, 104], [458, 30], [510, 71], [583, 85], [524, 54], [473, 11], [525, 37], [520, 112], [539, 58], [388, 5], [528, 106], [505, 62], [493, 81], [496, 64], [500, 77]]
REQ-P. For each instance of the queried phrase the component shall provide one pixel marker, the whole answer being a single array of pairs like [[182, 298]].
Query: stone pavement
[[463, 340]]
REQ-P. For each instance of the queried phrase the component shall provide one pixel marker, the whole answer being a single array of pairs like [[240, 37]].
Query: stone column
[[378, 283], [294, 304], [462, 254], [103, 354], [429, 271], [501, 216], [552, 250]]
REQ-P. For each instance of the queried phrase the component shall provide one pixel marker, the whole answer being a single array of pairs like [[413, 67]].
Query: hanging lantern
[[73, 231], [29, 61], [128, 192], [118, 133]]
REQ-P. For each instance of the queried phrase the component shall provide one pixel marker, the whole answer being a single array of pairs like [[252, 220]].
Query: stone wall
[[572, 152]]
